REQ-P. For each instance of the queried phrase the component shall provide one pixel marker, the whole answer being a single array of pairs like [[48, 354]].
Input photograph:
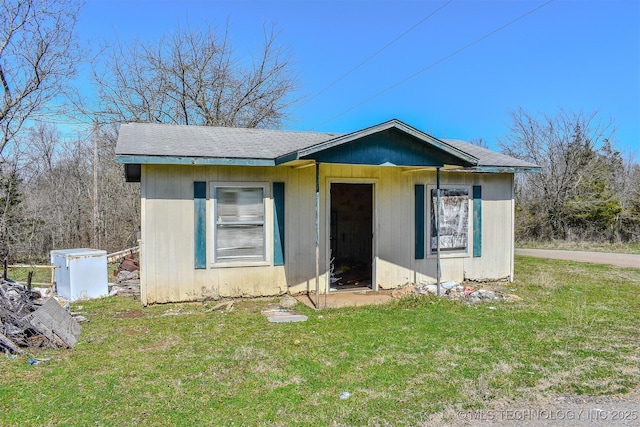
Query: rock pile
[[454, 291], [127, 278]]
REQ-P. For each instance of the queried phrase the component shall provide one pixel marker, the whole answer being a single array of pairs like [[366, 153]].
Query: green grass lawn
[[20, 274], [43, 275], [575, 330]]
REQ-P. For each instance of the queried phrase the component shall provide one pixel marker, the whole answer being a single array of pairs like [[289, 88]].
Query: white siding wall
[[168, 272]]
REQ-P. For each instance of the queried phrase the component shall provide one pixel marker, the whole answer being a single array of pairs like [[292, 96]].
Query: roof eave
[[289, 157], [186, 160], [504, 169]]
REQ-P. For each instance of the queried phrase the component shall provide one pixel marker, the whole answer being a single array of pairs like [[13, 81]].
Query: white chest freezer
[[81, 273]]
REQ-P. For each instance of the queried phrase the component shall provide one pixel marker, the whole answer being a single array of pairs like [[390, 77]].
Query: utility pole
[[95, 242]]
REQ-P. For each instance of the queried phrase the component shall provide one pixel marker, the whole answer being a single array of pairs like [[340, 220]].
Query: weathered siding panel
[[171, 208], [300, 221], [396, 228], [497, 234], [144, 260]]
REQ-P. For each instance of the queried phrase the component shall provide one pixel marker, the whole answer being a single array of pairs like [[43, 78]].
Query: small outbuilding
[[254, 212]]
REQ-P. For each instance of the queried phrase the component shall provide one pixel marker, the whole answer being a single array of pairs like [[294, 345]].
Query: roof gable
[[391, 147], [414, 140]]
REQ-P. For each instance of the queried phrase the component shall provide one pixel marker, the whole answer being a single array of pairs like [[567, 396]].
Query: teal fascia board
[[163, 160], [504, 169], [287, 158]]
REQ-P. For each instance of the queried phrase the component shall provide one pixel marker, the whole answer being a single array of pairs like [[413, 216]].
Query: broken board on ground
[[54, 322]]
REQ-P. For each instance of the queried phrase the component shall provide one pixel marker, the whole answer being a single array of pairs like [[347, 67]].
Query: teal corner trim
[[278, 223], [200, 223], [477, 221], [420, 221]]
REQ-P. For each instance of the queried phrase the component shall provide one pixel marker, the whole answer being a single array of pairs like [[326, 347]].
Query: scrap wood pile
[[26, 320]]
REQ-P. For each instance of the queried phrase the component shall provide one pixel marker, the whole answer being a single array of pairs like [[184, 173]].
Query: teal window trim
[[477, 221], [200, 224], [278, 223], [419, 221]]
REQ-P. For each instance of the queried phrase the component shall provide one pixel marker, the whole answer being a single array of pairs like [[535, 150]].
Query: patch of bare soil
[[128, 314]]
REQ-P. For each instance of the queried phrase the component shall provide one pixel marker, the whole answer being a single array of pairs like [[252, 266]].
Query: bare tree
[[547, 141], [11, 222], [47, 196], [192, 77], [579, 190], [118, 201], [38, 57]]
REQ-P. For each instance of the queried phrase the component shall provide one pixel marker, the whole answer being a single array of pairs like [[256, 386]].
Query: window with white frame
[[239, 229], [453, 219]]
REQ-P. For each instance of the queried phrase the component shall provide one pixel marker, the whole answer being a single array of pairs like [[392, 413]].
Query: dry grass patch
[[545, 280]]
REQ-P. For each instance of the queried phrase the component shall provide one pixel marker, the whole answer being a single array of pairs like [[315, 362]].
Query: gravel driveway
[[619, 260]]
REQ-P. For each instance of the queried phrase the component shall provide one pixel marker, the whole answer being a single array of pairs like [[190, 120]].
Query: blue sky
[[570, 54]]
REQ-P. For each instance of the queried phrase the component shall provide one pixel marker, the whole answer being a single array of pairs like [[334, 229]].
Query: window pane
[[240, 241], [240, 204], [239, 233], [454, 219]]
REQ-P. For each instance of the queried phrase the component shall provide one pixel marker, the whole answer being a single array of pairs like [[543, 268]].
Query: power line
[[433, 64], [339, 79]]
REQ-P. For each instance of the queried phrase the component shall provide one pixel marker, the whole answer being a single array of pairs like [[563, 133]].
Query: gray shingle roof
[[488, 157], [144, 139], [137, 140]]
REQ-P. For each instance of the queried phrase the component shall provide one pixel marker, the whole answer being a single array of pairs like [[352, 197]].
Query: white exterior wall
[[167, 240], [496, 261]]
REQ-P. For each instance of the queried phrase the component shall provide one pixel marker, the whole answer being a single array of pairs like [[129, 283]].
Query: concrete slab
[[347, 299], [284, 316]]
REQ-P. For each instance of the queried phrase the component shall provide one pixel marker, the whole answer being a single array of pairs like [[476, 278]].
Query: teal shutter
[[278, 223], [477, 221], [420, 225], [200, 223]]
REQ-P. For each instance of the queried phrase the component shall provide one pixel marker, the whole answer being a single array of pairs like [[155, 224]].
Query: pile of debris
[[471, 293], [127, 278], [27, 320]]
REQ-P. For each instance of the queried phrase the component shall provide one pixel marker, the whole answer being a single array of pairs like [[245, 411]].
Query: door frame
[[374, 225]]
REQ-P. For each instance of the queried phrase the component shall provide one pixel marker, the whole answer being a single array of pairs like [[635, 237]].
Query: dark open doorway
[[351, 236]]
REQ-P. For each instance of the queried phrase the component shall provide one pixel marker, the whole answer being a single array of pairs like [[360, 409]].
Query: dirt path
[[619, 260]]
